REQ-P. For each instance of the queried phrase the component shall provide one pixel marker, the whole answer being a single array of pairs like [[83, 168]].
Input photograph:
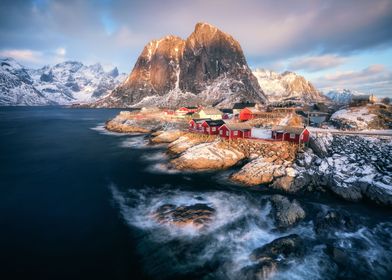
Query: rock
[[208, 67], [123, 127], [338, 255], [289, 246], [333, 220], [260, 271], [187, 141], [197, 215], [167, 136], [286, 213], [208, 156]]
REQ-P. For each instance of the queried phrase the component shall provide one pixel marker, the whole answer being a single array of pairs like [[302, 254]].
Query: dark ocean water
[[75, 203]]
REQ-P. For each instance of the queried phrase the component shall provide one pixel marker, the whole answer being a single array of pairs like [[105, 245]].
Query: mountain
[[208, 68], [16, 85], [287, 86], [342, 96], [64, 83]]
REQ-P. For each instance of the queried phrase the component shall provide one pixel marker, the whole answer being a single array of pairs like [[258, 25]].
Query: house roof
[[228, 111], [254, 111], [289, 129], [215, 122], [200, 120], [238, 126], [211, 111], [188, 107], [243, 105]]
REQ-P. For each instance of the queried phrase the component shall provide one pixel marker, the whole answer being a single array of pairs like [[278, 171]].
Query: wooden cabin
[[237, 107], [195, 124], [212, 113], [234, 130], [211, 127], [291, 134], [249, 113]]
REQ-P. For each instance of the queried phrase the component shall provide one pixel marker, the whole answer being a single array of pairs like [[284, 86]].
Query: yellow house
[[212, 113]]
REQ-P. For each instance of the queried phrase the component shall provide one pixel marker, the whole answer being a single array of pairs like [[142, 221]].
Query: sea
[[76, 202]]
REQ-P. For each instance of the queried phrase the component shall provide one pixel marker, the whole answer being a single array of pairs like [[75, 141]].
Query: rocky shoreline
[[351, 167]]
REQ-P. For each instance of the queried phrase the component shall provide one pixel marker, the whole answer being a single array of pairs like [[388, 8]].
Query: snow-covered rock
[[354, 117], [352, 167], [287, 86], [64, 83]]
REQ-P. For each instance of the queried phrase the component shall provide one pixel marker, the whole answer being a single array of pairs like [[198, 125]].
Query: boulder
[[204, 156], [124, 127], [260, 271], [197, 215], [285, 212], [167, 136], [333, 220], [289, 246]]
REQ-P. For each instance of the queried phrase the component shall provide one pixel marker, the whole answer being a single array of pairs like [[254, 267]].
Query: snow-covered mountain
[[208, 67], [64, 83], [342, 96], [287, 86]]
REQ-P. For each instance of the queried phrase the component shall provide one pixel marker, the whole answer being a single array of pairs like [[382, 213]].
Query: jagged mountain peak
[[63, 83], [287, 86], [171, 66]]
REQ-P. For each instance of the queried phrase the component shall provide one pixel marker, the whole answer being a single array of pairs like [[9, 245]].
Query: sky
[[333, 44]]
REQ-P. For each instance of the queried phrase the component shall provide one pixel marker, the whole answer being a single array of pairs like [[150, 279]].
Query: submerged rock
[[274, 256], [289, 246], [333, 220], [286, 213], [197, 215]]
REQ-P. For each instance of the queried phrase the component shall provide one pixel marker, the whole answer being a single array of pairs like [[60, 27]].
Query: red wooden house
[[292, 134], [235, 130], [195, 124], [185, 110], [211, 127], [249, 113]]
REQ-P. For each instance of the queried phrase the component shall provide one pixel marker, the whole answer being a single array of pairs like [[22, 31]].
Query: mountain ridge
[[61, 84]]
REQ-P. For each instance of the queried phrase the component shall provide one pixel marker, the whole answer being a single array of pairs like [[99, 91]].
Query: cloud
[[23, 55], [316, 63], [373, 79], [61, 51]]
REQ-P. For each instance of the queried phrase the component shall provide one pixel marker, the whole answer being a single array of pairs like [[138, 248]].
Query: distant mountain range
[[208, 68], [342, 96], [287, 86], [64, 83]]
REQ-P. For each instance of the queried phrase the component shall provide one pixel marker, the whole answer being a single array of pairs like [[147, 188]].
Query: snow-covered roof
[[289, 129], [238, 126]]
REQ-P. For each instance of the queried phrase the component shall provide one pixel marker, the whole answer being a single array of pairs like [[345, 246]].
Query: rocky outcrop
[[285, 212], [208, 67], [197, 215], [208, 156], [273, 256], [187, 141], [125, 126], [167, 136], [261, 171], [352, 167], [333, 220]]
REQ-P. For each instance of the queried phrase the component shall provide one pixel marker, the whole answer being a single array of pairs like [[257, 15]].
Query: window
[[292, 135], [227, 133], [235, 133], [221, 132], [213, 128]]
